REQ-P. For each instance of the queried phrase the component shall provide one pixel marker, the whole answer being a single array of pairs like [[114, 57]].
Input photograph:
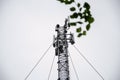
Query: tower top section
[[62, 34], [62, 29]]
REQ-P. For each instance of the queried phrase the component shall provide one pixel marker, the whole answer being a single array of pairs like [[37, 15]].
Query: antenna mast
[[61, 49]]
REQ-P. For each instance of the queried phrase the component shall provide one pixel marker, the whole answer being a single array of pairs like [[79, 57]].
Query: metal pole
[[61, 50]]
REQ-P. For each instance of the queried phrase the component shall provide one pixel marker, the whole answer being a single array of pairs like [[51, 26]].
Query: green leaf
[[80, 14], [90, 19], [80, 34], [68, 1], [80, 22], [72, 24], [78, 5], [61, 1], [80, 9], [86, 18], [74, 15], [86, 5], [78, 29], [84, 32], [89, 13], [72, 9], [71, 16], [88, 27]]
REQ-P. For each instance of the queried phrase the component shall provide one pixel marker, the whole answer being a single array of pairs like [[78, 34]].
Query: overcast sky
[[27, 29]]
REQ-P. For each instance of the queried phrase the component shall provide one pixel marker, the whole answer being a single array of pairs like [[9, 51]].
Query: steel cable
[[88, 62], [51, 68], [37, 63], [74, 67]]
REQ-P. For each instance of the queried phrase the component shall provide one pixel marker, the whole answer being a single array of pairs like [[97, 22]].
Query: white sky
[[27, 29]]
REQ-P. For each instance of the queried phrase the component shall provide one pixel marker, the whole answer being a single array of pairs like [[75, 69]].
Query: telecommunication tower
[[61, 49], [61, 42]]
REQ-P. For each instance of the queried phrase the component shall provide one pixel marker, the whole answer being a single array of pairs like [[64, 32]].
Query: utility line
[[51, 68], [74, 67], [37, 63], [88, 62]]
